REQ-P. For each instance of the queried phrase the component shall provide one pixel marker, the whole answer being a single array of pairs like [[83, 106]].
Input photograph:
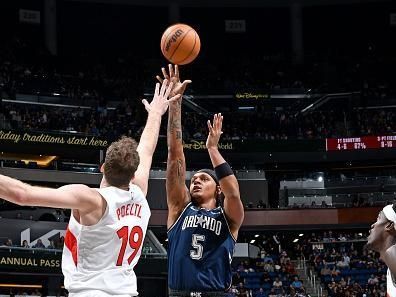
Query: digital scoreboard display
[[360, 143]]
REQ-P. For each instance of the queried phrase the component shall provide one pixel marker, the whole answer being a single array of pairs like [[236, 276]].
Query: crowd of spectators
[[343, 264], [338, 259], [271, 274], [128, 119], [29, 69], [53, 244]]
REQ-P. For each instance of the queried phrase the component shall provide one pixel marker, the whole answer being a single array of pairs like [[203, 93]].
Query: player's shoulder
[[78, 188]]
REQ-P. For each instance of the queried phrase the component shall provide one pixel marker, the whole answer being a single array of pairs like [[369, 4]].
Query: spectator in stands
[[261, 204], [243, 291], [297, 285], [268, 258], [373, 280], [324, 204], [260, 293], [59, 243], [344, 261], [25, 244], [147, 249], [342, 282], [237, 278], [268, 267], [39, 245], [232, 292], [335, 271], [277, 285], [265, 279], [325, 270], [52, 245], [9, 242], [284, 258], [289, 268], [272, 293]]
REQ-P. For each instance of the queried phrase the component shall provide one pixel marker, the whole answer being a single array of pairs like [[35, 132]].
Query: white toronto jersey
[[390, 285], [98, 260]]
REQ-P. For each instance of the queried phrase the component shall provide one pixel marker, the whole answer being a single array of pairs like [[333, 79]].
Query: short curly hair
[[121, 162]]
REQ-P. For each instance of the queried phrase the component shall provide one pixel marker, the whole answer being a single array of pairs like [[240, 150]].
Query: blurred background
[[307, 89]]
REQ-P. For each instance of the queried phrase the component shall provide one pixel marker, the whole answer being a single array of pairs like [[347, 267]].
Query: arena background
[[307, 90]]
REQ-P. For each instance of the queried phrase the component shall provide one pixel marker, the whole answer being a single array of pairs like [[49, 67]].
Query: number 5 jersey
[[200, 251], [98, 260]]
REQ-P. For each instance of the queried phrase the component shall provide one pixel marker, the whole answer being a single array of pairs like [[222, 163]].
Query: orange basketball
[[180, 44]]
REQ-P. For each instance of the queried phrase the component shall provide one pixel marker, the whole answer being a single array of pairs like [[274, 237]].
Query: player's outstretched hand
[[160, 101], [214, 131], [173, 75]]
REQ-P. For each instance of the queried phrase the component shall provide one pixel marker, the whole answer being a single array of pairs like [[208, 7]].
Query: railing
[[315, 283]]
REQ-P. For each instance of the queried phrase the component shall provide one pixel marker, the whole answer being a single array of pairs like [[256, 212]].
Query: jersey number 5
[[135, 241], [196, 253]]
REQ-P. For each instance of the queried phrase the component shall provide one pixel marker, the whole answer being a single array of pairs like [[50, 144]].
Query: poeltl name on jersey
[[130, 209]]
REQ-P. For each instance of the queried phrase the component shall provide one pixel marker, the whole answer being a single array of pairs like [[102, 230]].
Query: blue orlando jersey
[[200, 251]]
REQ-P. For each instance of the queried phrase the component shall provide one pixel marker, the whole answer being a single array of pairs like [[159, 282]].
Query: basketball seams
[[192, 49], [166, 38], [170, 58]]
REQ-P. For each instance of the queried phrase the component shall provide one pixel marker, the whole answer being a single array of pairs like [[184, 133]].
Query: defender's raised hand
[[160, 101]]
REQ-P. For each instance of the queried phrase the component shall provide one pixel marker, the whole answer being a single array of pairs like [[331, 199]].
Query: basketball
[[180, 44]]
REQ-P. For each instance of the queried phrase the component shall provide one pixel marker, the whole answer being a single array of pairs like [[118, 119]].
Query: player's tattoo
[[180, 171]]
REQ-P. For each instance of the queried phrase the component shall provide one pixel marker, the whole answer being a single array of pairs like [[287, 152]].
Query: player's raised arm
[[233, 206], [176, 190], [76, 196], [148, 141]]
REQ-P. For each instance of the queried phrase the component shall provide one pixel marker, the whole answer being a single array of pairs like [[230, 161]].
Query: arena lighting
[[20, 286], [56, 94], [301, 234], [295, 240], [253, 241], [257, 235]]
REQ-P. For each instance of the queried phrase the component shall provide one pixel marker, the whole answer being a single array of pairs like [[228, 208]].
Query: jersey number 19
[[135, 242]]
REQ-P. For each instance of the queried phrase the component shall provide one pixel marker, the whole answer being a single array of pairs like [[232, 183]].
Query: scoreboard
[[361, 143]]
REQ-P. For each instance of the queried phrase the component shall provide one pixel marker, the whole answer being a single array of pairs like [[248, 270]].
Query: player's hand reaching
[[214, 131], [160, 101], [173, 76]]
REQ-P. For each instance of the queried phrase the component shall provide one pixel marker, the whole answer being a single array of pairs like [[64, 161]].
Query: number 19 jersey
[[200, 251], [98, 260]]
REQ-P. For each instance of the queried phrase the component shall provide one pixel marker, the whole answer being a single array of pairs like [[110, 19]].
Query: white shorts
[[96, 293]]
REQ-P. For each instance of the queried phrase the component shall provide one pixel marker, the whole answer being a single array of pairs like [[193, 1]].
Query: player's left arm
[[233, 206], [148, 140], [76, 196]]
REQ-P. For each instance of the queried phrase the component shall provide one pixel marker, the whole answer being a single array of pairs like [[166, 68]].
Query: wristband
[[223, 170]]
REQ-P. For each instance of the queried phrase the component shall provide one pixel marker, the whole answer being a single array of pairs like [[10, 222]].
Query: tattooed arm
[[176, 190]]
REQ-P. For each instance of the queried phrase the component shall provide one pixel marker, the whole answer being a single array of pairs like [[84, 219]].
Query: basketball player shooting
[[202, 229], [107, 227]]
